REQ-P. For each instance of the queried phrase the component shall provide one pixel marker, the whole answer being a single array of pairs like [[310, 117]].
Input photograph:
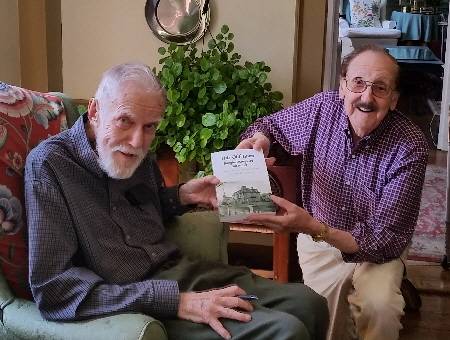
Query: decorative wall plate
[[178, 21]]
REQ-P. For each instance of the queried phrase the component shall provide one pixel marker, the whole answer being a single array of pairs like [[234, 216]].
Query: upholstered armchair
[[364, 22], [27, 117]]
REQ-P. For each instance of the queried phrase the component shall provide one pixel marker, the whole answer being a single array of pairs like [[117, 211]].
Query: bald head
[[390, 60], [118, 77]]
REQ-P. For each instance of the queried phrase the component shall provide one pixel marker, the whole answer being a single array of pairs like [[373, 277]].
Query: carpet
[[428, 243]]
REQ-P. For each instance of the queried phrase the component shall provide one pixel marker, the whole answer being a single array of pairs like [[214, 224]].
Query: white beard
[[112, 167]]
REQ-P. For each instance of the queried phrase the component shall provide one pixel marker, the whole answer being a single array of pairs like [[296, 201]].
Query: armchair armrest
[[20, 319], [200, 235]]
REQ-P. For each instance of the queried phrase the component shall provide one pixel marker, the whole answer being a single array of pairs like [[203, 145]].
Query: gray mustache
[[365, 106]]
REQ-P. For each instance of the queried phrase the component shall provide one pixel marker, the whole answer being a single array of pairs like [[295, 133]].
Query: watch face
[[177, 21]]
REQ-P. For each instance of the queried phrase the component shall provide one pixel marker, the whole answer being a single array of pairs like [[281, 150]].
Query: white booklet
[[244, 186]]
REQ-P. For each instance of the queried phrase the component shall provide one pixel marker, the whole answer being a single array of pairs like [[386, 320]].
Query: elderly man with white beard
[[96, 207]]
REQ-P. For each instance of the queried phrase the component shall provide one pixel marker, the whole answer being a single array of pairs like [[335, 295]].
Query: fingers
[[282, 202], [270, 161], [210, 179], [231, 290], [217, 326], [277, 223], [258, 142], [245, 144]]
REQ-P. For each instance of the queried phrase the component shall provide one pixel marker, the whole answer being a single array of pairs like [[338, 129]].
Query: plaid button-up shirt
[[371, 189], [91, 249]]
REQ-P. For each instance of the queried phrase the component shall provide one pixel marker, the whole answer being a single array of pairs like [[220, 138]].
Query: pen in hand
[[248, 297]]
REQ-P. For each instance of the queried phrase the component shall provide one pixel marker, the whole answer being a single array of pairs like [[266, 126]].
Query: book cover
[[244, 186]]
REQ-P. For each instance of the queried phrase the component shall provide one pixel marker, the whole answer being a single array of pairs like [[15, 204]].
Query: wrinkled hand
[[209, 306], [258, 142], [289, 218], [201, 191]]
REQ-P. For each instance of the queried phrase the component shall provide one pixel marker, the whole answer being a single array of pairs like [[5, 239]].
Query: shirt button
[[347, 183], [353, 156], [128, 237], [114, 208], [343, 208]]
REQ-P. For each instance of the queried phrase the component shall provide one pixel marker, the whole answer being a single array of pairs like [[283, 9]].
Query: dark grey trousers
[[283, 311]]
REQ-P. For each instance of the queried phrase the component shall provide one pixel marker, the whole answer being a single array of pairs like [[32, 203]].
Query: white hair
[[113, 78]]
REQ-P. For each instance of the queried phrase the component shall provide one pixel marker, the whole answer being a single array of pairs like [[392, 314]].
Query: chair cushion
[[26, 118], [365, 13]]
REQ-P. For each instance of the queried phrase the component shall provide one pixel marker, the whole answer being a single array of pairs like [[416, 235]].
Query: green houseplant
[[211, 98]]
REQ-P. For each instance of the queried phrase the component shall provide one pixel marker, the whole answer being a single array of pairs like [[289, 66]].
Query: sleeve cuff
[[166, 298], [171, 202]]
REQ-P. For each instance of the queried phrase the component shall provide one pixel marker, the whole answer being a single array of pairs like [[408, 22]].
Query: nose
[[367, 95], [136, 139]]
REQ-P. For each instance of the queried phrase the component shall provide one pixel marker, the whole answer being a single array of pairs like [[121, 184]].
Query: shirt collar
[[83, 148]]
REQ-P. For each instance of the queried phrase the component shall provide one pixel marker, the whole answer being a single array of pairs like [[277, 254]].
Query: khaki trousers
[[365, 295]]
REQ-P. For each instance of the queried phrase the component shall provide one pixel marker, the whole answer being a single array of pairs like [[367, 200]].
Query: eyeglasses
[[357, 85]]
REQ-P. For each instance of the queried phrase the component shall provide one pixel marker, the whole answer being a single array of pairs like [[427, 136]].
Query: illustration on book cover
[[244, 186]]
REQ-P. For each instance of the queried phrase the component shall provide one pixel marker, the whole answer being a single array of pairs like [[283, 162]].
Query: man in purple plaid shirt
[[362, 171]]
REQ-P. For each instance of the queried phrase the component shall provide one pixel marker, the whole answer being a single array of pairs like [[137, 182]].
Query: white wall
[[10, 43], [101, 33]]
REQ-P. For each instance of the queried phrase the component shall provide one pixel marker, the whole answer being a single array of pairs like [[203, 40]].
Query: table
[[413, 55], [423, 27]]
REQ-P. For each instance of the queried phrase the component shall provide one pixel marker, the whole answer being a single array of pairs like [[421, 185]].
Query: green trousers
[[283, 311]]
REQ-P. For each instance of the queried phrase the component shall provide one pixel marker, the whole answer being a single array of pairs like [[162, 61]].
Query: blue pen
[[249, 297]]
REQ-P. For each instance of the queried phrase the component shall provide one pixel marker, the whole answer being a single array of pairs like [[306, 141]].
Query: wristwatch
[[321, 236]]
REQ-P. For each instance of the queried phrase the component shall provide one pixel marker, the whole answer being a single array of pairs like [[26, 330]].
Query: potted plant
[[211, 98]]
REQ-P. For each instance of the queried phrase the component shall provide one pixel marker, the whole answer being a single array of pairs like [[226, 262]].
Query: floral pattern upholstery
[[365, 13], [26, 118]]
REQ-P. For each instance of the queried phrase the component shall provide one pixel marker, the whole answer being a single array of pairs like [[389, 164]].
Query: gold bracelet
[[322, 235]]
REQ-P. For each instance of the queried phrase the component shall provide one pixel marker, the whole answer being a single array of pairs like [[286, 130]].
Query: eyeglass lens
[[358, 85]]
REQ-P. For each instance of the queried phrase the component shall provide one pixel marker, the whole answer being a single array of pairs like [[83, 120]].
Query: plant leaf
[[202, 93], [205, 134], [209, 119], [220, 87]]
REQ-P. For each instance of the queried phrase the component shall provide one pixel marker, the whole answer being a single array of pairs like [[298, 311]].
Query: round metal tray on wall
[[178, 21]]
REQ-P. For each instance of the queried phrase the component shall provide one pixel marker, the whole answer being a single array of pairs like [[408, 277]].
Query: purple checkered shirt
[[371, 189], [91, 251]]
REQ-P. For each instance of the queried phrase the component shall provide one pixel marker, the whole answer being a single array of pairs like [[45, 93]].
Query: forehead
[[137, 99], [373, 66]]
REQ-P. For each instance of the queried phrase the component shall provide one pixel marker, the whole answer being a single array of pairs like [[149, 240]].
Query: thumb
[[281, 202]]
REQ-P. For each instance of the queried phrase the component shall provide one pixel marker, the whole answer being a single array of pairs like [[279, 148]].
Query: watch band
[[322, 235]]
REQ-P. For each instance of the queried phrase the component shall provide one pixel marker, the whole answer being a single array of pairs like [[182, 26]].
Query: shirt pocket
[[364, 202]]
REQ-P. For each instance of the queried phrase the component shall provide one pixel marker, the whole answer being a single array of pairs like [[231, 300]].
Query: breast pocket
[[365, 202]]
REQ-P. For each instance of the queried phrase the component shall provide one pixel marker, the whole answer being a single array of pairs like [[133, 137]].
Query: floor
[[432, 321]]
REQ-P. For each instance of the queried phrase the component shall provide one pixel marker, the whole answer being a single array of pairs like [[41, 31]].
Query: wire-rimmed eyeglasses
[[358, 85]]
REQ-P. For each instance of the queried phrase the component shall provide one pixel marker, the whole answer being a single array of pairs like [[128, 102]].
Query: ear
[[394, 100], [342, 88], [92, 111]]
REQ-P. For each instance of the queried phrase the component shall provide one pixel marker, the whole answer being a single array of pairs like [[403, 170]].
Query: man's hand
[[201, 191], [209, 306], [289, 218], [258, 142]]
